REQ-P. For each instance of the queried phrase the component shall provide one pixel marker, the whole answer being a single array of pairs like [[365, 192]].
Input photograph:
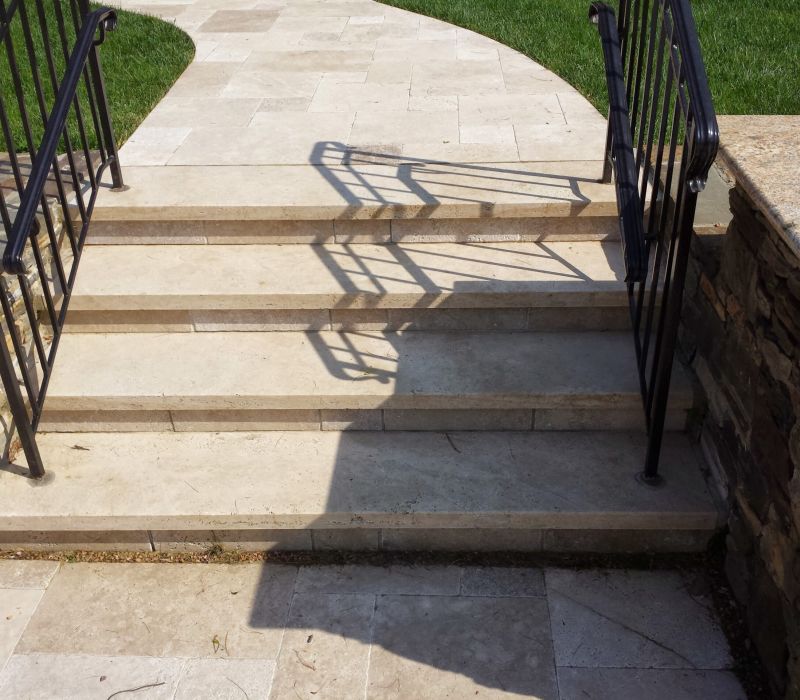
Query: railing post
[[105, 119], [18, 412], [672, 320], [99, 84]]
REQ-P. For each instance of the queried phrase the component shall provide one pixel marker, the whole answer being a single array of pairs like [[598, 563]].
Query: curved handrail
[[705, 142], [104, 19]]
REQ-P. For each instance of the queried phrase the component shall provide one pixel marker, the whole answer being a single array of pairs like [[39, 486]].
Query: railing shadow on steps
[[662, 141], [416, 183], [412, 187], [47, 194]]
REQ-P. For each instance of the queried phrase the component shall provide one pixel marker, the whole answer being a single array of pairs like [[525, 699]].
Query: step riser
[[466, 539], [593, 318], [517, 420], [373, 231]]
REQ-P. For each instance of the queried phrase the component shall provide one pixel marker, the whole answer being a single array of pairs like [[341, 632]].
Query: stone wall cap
[[763, 154]]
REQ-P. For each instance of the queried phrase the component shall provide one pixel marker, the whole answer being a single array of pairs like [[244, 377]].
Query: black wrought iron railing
[[48, 187], [662, 141]]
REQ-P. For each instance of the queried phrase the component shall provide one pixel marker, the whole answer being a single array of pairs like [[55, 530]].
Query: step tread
[[356, 480], [366, 191], [135, 277], [369, 369]]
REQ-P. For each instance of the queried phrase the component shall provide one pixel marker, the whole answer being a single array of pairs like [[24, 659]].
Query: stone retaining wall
[[11, 288], [741, 335]]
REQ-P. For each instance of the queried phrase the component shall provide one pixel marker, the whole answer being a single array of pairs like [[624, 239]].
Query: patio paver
[[360, 631], [341, 106], [358, 73]]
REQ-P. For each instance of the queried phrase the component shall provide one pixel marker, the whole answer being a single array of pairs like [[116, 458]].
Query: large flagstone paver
[[141, 610], [22, 585], [629, 619], [653, 684], [459, 645], [27, 574]]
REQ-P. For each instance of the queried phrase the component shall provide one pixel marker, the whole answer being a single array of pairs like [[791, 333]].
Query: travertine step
[[374, 202], [406, 380], [354, 231], [467, 491], [383, 188], [490, 286]]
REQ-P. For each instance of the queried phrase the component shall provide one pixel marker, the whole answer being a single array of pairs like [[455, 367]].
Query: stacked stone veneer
[[11, 287], [741, 335]]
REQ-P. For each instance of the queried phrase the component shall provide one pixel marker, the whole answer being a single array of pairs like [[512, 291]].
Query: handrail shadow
[[363, 178]]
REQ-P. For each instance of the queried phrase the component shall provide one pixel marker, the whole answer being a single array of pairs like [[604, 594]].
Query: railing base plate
[[653, 482]]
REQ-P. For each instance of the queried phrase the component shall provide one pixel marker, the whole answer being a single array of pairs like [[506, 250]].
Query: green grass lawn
[[751, 49], [141, 60]]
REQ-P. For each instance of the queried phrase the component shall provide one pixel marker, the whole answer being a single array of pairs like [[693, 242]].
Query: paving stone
[[457, 319], [261, 320], [630, 541], [314, 61], [232, 540], [68, 539], [502, 581], [494, 231], [269, 139], [355, 540], [373, 231], [382, 127], [352, 420], [228, 679], [624, 619], [134, 321], [243, 608], [203, 421], [211, 112], [654, 684], [367, 98], [457, 420], [17, 606], [326, 646], [548, 141], [257, 82], [468, 539], [399, 579], [89, 677], [239, 21], [105, 421], [26, 574], [153, 145], [461, 646]]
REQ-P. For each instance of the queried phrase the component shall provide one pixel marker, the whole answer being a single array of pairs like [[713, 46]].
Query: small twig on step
[[133, 690]]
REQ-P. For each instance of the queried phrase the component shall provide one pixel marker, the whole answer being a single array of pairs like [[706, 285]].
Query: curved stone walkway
[[287, 82]]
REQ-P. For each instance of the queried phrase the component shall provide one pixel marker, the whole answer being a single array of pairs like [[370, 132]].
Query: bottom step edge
[[453, 540]]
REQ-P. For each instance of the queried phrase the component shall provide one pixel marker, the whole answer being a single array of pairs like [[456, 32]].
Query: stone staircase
[[395, 375]]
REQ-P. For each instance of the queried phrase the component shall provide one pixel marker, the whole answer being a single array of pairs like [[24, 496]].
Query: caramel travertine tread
[[349, 370], [341, 276], [356, 480]]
